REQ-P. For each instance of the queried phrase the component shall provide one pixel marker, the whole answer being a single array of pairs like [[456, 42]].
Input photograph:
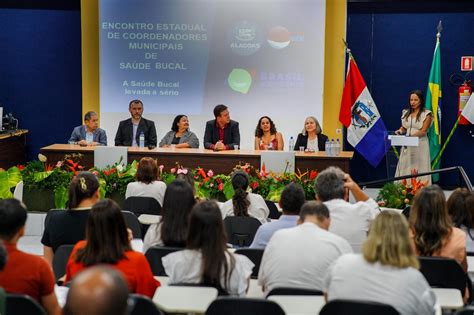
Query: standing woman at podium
[[416, 120]]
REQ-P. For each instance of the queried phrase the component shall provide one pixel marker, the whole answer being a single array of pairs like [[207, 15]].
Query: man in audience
[[97, 290], [348, 220], [300, 256], [89, 133], [24, 273], [129, 130], [291, 200], [221, 133]]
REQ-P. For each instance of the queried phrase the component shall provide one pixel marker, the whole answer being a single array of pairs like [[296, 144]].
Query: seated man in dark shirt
[[129, 130], [221, 133]]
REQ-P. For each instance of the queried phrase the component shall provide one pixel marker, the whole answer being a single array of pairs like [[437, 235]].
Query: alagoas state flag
[[366, 131]]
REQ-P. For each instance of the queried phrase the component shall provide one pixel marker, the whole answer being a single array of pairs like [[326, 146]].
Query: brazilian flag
[[433, 103]]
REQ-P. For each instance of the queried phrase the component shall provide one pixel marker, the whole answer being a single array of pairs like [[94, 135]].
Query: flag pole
[[438, 157]]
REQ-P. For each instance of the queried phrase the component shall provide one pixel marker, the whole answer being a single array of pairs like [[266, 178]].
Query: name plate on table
[[397, 140]]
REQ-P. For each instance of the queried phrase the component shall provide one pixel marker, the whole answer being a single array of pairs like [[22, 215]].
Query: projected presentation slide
[[186, 56]]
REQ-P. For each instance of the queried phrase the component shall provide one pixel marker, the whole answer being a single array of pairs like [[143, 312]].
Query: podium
[[405, 141], [397, 141]]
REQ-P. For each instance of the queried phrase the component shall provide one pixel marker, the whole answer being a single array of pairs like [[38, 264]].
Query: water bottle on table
[[331, 148], [141, 140], [291, 144]]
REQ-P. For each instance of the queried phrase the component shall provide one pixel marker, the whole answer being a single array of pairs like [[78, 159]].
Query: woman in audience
[[147, 183], [311, 138], [243, 203], [108, 242], [206, 259], [432, 231], [172, 230], [187, 176], [68, 227], [385, 272], [180, 134], [266, 135], [461, 209]]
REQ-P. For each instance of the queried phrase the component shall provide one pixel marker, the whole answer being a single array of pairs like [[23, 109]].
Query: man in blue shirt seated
[[89, 133], [221, 133], [291, 200]]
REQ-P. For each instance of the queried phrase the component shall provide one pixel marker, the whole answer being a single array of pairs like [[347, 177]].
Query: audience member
[[24, 273], [266, 135], [291, 200], [461, 209], [98, 290], [3, 256], [147, 183], [187, 176], [432, 231], [300, 256], [172, 230], [108, 242], [386, 271], [206, 259], [221, 133], [68, 227], [180, 135], [243, 203], [129, 130], [349, 220], [311, 138], [89, 133]]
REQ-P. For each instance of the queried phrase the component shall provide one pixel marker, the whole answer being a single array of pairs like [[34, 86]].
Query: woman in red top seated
[[266, 135], [107, 242]]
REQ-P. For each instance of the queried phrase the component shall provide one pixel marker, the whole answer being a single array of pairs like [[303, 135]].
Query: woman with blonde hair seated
[[311, 138], [385, 272]]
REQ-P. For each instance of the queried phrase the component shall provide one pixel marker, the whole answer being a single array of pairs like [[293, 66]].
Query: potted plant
[[114, 180], [46, 185]]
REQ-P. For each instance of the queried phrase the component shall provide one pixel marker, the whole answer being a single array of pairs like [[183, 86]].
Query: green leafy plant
[[115, 178], [8, 180], [400, 194], [39, 175]]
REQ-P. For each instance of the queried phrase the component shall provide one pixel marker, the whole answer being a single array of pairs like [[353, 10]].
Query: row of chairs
[[149, 205], [153, 255], [156, 253], [142, 305], [439, 272], [240, 230]]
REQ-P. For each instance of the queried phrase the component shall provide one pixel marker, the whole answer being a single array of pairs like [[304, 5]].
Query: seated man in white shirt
[[350, 221], [299, 257], [291, 200]]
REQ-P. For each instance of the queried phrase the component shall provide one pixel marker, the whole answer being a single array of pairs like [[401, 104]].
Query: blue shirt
[[134, 135], [265, 231]]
